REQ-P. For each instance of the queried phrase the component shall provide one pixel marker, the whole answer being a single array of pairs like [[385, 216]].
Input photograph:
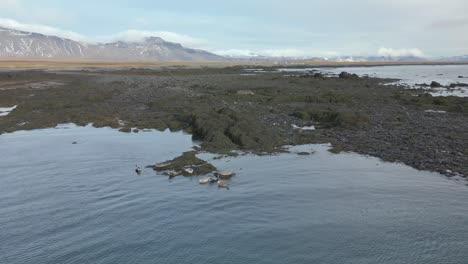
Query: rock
[[303, 153], [435, 84], [318, 75], [453, 85], [344, 75], [460, 77], [187, 164], [125, 130]]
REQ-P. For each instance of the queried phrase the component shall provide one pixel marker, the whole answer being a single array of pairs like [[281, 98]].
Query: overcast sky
[[268, 27]]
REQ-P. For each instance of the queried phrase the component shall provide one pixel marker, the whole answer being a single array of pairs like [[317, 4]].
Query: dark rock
[[318, 75], [453, 85], [347, 75], [125, 130], [435, 84]]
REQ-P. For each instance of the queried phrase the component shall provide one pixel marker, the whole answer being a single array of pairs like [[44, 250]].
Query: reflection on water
[[83, 203]]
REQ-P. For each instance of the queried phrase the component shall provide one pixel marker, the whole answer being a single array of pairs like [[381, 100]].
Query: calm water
[[65, 203], [411, 75]]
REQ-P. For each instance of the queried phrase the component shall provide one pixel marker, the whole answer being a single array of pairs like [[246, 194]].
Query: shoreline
[[256, 113], [20, 64]]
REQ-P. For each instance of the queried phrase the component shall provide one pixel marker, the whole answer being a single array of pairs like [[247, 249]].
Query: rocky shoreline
[[261, 112]]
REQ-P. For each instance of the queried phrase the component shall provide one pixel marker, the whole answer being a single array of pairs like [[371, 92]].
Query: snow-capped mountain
[[20, 45], [454, 58]]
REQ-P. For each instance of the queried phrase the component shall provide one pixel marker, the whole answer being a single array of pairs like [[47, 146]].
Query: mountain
[[378, 59], [454, 58], [397, 59], [20, 45]]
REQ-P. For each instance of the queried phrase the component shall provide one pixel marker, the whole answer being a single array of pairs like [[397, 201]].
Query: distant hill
[[455, 58], [20, 45]]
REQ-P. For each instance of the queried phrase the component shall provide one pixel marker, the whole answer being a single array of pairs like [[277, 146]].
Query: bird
[[137, 169], [222, 184]]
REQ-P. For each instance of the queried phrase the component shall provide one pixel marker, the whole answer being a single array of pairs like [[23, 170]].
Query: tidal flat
[[229, 109]]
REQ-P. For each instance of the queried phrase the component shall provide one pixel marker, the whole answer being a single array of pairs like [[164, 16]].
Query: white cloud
[[296, 53], [237, 53], [389, 52], [131, 35], [134, 35], [38, 28]]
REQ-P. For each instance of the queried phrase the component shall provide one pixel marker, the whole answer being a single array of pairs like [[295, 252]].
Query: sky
[[298, 28]]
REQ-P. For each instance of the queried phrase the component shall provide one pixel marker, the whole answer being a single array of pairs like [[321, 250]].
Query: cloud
[[133, 35], [236, 53], [38, 28], [389, 52], [294, 53]]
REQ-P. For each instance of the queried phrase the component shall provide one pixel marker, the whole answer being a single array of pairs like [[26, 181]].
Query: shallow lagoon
[[83, 203]]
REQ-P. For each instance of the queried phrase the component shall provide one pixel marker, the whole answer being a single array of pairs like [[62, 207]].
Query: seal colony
[[188, 165], [260, 113]]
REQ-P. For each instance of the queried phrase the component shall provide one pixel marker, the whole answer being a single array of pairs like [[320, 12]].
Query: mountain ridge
[[23, 45]]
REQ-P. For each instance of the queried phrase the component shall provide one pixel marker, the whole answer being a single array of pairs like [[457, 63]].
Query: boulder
[[318, 75], [347, 75], [435, 84]]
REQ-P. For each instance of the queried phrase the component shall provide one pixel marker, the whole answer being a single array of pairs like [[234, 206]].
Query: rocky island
[[259, 111]]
